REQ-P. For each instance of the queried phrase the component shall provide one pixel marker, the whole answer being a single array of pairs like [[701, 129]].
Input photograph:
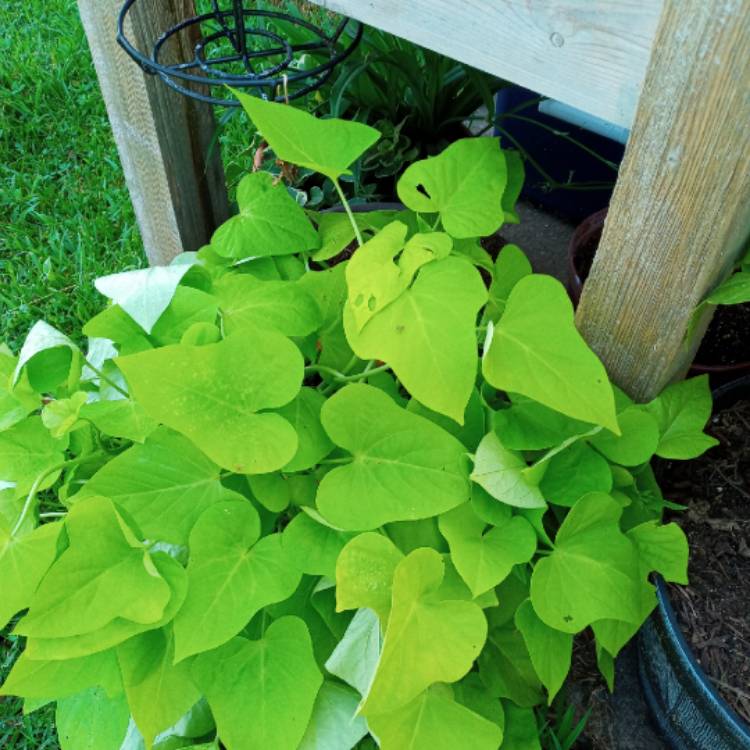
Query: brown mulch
[[727, 340]]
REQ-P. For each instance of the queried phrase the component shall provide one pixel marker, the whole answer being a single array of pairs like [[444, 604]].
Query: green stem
[[55, 514], [341, 377], [98, 372], [38, 483], [349, 212]]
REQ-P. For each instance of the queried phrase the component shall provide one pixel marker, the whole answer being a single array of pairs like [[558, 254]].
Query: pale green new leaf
[[592, 573], [326, 146], [92, 721], [212, 394], [262, 693], [403, 466], [355, 658], [464, 184], [313, 547], [638, 441], [535, 350], [248, 302], [164, 485], [231, 576], [334, 724], [500, 472], [435, 721], [550, 650], [428, 639], [61, 415], [313, 442], [484, 558], [269, 222], [682, 411], [428, 335]]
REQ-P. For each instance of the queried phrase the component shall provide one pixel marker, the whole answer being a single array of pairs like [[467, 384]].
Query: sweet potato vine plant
[[288, 501]]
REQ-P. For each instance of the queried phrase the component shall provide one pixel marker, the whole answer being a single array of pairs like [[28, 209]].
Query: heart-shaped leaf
[[47, 356]]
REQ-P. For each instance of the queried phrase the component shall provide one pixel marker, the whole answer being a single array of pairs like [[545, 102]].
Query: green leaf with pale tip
[[143, 294], [27, 450], [269, 222], [550, 650], [61, 415], [24, 561], [435, 721], [92, 721], [364, 574], [119, 629], [47, 356], [638, 441], [213, 395], [431, 345], [592, 573], [663, 549], [327, 146], [403, 466], [355, 658], [535, 350], [464, 184], [105, 573], [682, 411], [428, 639], [262, 693], [485, 557], [334, 724], [231, 576], [521, 731], [122, 418], [304, 415], [55, 680], [163, 485], [500, 472], [511, 266], [312, 547], [573, 473], [248, 302], [159, 692]]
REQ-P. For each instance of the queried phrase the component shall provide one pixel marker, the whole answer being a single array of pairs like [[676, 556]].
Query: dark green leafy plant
[[281, 504]]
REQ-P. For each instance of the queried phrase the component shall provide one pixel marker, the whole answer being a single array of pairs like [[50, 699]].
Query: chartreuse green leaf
[[313, 442], [212, 394], [188, 307], [428, 639], [92, 720], [364, 574], [573, 473], [500, 472], [663, 549], [682, 411], [164, 485], [403, 466], [473, 428], [435, 721], [54, 680], [326, 146], [516, 176], [269, 222], [249, 302], [485, 557], [146, 293], [47, 357], [122, 418], [550, 650], [334, 724], [734, 291], [313, 547], [430, 345], [521, 731], [262, 693], [638, 441], [464, 184], [535, 350], [159, 692], [231, 576], [61, 415], [105, 573], [505, 666], [355, 658], [592, 573], [16, 401], [24, 560], [511, 266]]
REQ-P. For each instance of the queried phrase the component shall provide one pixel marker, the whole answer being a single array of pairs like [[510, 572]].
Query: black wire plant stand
[[245, 48]]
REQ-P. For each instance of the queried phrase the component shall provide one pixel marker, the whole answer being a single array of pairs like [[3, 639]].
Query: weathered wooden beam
[[591, 54], [175, 181], [680, 213]]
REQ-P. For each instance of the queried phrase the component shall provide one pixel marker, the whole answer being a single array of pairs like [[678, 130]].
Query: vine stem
[[341, 377], [98, 372], [349, 212], [40, 479]]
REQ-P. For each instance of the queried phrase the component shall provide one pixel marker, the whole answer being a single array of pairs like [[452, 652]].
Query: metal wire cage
[[281, 56]]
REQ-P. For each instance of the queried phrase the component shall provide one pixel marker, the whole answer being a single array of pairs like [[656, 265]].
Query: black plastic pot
[[683, 702]]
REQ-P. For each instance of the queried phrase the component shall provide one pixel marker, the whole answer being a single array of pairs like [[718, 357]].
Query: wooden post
[[680, 213], [163, 138]]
